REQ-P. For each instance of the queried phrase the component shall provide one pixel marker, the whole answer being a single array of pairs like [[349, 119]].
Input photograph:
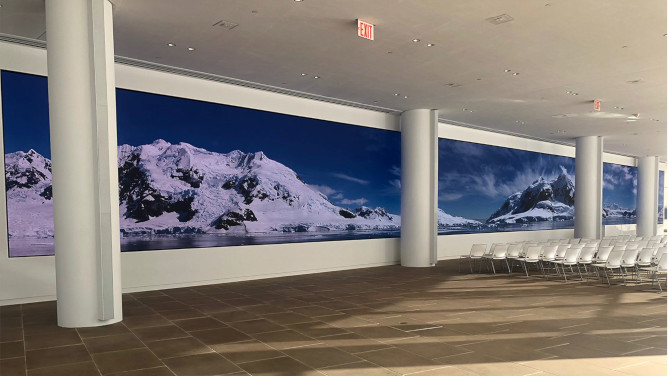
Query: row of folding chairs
[[545, 256]]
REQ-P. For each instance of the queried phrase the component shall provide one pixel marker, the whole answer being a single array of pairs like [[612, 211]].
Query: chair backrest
[[662, 263], [633, 245], [587, 253], [561, 250], [619, 247], [564, 241], [574, 241], [579, 245], [492, 249], [605, 242], [658, 255], [629, 257], [533, 252], [645, 256], [514, 250], [500, 251], [615, 258], [549, 252], [478, 250], [603, 253], [571, 256], [642, 243]]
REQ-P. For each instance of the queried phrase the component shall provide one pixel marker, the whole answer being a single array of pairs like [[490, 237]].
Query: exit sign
[[598, 105], [365, 30]]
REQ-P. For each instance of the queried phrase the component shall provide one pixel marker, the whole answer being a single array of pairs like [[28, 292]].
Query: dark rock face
[[143, 201], [190, 176], [232, 218], [47, 193], [369, 213], [541, 195], [346, 213]]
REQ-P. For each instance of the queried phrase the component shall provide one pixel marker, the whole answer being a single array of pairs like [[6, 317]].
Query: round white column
[[588, 188], [646, 198], [82, 111], [419, 188]]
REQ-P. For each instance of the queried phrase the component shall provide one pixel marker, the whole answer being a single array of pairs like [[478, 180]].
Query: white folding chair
[[499, 253], [570, 259], [612, 262], [532, 256], [476, 253], [628, 261], [658, 270], [585, 258]]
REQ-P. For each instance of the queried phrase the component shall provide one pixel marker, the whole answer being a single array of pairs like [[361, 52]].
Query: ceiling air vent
[[226, 24], [502, 18]]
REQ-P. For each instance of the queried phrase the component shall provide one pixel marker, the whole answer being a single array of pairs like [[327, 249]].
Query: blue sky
[[352, 165], [619, 185], [475, 179]]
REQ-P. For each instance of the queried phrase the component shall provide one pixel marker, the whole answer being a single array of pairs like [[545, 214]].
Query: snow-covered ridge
[[169, 188], [541, 201]]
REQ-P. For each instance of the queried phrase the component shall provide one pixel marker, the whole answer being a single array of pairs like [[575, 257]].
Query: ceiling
[[611, 50]]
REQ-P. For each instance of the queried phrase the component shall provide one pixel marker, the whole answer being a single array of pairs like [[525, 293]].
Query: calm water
[[533, 226], [131, 244]]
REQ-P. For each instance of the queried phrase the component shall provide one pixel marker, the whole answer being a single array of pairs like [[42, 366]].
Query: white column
[[588, 188], [419, 188], [646, 197], [82, 111]]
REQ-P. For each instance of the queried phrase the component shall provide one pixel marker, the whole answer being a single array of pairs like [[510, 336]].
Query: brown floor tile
[[182, 314], [157, 371], [112, 343], [316, 329], [319, 357], [218, 336], [264, 309], [178, 347], [60, 338], [145, 321], [56, 356], [285, 339], [201, 365], [200, 323], [11, 350], [234, 316], [359, 369], [11, 334], [382, 333], [287, 318], [314, 311], [106, 330], [247, 351], [400, 361], [157, 333], [278, 366], [127, 360], [78, 369], [256, 326], [13, 367]]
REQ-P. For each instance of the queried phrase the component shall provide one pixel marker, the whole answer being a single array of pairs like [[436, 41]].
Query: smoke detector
[[502, 18]]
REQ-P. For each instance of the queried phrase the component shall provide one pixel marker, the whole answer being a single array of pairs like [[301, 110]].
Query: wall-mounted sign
[[598, 105], [365, 30]]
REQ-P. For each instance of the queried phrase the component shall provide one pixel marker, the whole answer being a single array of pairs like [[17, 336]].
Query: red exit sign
[[365, 30]]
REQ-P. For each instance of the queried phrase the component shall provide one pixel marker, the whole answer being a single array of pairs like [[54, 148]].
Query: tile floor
[[378, 321]]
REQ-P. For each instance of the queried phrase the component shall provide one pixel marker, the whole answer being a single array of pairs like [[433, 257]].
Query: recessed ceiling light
[[191, 49], [430, 44], [171, 44], [397, 94], [569, 91], [303, 74], [415, 40], [405, 97], [507, 70], [298, 1], [574, 93], [316, 77], [516, 73]]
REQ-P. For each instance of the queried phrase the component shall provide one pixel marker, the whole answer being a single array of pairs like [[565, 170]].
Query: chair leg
[[492, 262], [507, 265], [579, 271], [564, 272], [607, 276]]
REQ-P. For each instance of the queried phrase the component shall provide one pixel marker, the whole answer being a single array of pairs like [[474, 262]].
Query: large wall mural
[[484, 188], [619, 187], [198, 174]]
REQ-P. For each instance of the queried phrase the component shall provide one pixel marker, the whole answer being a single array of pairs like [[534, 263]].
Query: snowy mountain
[[28, 185], [615, 210], [446, 220], [166, 188], [541, 201]]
